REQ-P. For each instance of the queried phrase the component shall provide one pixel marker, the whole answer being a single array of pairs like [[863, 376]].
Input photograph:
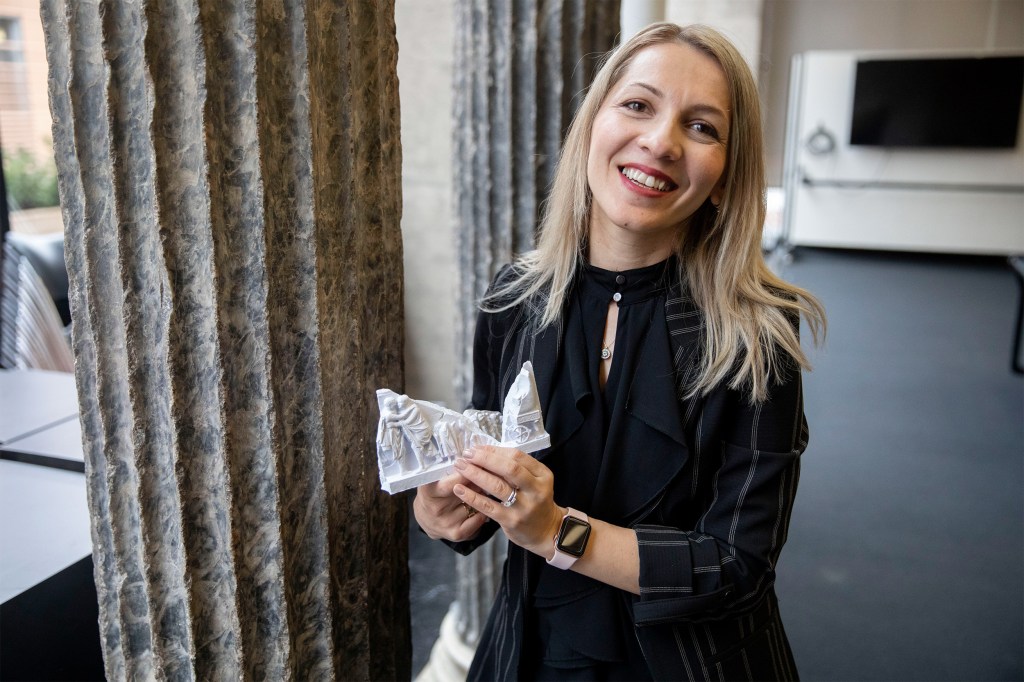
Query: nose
[[663, 140]]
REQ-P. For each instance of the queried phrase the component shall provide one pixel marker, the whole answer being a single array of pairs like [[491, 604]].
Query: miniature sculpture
[[521, 423], [418, 441]]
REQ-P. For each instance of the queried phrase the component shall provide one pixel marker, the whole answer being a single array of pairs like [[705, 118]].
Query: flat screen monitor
[[938, 102]]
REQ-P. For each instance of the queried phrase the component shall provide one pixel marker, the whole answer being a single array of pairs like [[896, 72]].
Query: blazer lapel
[[657, 437], [544, 350], [656, 387]]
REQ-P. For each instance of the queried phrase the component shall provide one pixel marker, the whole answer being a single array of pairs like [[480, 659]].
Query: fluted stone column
[[521, 68], [229, 174]]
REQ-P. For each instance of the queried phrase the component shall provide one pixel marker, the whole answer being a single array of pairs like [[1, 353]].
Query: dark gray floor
[[431, 589], [905, 559]]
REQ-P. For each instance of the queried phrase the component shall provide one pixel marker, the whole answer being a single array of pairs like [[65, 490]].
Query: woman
[[643, 542]]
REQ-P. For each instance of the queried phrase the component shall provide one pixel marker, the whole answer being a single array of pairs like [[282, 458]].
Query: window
[[10, 40], [13, 90]]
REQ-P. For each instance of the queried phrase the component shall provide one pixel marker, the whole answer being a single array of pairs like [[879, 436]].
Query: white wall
[[636, 14], [425, 35], [794, 26], [738, 20]]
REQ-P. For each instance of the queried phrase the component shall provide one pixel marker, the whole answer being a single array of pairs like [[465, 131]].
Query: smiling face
[[657, 148]]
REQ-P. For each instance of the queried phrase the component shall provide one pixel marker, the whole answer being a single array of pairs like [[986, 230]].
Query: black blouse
[[568, 641]]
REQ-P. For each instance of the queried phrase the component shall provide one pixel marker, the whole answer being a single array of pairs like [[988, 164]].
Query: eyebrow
[[698, 108], [647, 86]]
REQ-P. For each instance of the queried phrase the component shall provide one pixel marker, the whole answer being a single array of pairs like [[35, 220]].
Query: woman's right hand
[[443, 515]]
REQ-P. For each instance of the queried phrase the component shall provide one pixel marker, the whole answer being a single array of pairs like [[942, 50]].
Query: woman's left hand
[[533, 518]]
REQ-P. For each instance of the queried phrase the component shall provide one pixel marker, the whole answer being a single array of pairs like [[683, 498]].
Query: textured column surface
[[521, 69], [229, 174]]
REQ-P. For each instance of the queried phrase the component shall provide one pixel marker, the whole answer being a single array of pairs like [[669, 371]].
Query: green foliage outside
[[30, 183]]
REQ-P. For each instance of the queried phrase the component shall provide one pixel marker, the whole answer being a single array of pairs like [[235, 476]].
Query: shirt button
[[620, 279], [617, 297]]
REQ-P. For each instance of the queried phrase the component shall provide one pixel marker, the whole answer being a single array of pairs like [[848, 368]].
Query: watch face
[[573, 536]]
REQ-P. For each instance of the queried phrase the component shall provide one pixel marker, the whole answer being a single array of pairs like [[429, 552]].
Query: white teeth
[[644, 179]]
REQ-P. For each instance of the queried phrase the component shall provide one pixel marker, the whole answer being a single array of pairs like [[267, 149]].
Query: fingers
[[486, 476], [514, 466], [493, 475], [443, 515], [487, 506], [499, 471], [442, 489], [485, 480], [529, 523], [470, 524]]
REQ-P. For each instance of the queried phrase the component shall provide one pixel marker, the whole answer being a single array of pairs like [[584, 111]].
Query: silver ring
[[511, 498]]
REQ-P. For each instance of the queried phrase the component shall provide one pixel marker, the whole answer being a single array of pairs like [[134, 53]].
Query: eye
[[635, 105], [705, 128]]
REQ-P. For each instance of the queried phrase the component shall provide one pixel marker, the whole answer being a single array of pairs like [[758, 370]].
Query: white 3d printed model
[[418, 441]]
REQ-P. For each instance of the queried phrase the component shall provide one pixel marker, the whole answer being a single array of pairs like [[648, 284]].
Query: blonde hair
[[749, 313]]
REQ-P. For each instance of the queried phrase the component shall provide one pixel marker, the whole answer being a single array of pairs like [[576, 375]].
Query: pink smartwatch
[[571, 539]]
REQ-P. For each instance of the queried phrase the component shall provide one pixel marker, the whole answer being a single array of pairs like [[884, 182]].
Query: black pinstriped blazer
[[708, 489]]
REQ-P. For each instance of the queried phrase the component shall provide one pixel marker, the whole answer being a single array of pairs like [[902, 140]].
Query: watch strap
[[564, 560]]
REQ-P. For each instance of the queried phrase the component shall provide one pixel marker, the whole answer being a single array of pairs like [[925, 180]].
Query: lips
[[649, 179]]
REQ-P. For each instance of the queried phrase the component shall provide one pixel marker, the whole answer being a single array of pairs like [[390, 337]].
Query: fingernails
[[459, 490], [467, 453], [460, 463]]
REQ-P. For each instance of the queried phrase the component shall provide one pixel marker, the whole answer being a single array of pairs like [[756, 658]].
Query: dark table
[[48, 606]]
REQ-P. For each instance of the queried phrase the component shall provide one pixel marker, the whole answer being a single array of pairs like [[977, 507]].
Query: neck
[[627, 251]]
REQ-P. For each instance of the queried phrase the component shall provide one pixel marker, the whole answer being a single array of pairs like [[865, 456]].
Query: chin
[[658, 234]]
